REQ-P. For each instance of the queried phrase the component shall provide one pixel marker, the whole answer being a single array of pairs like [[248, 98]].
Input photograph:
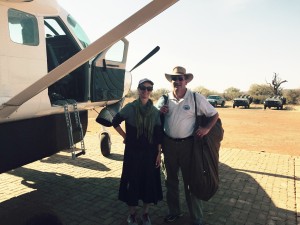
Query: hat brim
[[190, 76], [145, 80]]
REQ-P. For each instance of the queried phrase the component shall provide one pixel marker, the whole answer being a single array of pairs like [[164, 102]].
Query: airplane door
[[60, 46], [109, 79]]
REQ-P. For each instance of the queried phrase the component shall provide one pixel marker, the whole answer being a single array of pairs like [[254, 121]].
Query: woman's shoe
[[146, 219], [131, 220]]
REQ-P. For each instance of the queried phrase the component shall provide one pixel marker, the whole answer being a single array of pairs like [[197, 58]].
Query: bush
[[155, 95], [232, 93], [158, 93], [132, 94], [292, 96]]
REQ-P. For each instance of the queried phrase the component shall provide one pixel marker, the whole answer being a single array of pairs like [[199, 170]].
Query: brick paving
[[256, 188]]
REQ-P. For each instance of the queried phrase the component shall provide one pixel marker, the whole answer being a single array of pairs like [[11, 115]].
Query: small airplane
[[50, 76]]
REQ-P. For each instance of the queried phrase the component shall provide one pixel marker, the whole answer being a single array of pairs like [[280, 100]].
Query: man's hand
[[164, 109], [201, 132]]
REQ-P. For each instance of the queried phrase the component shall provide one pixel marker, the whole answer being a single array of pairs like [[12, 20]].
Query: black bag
[[204, 181]]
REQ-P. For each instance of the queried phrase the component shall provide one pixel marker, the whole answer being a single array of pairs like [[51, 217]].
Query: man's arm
[[202, 131]]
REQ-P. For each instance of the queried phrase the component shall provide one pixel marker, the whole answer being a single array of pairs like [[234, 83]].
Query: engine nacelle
[[107, 114]]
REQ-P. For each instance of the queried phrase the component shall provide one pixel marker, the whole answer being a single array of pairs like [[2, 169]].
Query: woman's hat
[[145, 80], [179, 71]]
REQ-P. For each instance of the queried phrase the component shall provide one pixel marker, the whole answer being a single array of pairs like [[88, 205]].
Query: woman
[[140, 178]]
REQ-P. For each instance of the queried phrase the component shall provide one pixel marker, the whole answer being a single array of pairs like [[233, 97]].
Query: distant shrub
[[158, 93], [292, 96]]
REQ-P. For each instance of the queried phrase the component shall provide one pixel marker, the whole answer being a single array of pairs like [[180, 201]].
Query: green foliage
[[260, 92], [292, 96], [155, 95], [202, 90], [132, 94], [232, 93], [158, 93]]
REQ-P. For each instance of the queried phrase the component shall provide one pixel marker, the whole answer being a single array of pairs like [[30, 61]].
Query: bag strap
[[196, 109], [194, 94], [165, 98], [195, 104], [202, 150]]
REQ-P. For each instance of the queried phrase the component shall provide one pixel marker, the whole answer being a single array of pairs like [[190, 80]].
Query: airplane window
[[23, 28], [115, 53], [52, 28], [80, 34]]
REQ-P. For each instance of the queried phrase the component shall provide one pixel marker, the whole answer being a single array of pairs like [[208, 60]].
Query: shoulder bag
[[204, 181]]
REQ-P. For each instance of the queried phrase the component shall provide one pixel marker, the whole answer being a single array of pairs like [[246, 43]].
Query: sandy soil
[[270, 130], [254, 129]]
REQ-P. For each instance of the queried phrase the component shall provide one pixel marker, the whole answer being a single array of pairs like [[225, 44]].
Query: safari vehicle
[[243, 100], [51, 75], [216, 100], [275, 101]]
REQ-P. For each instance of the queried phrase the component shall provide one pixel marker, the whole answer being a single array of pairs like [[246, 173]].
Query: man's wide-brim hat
[[179, 71]]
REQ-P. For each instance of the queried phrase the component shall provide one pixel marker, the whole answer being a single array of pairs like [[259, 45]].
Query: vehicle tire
[[223, 104], [105, 144], [233, 106], [265, 107]]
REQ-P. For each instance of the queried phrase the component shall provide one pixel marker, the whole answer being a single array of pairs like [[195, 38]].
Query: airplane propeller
[[155, 50]]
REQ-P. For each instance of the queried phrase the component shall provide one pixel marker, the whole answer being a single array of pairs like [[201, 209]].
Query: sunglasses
[[175, 78], [143, 88]]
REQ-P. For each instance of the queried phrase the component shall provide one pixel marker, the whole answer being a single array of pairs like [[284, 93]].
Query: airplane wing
[[123, 29]]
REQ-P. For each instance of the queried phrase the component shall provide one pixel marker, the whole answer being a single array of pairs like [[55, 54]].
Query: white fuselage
[[23, 63]]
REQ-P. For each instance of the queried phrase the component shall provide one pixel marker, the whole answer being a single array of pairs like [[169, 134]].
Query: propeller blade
[[141, 17], [156, 49]]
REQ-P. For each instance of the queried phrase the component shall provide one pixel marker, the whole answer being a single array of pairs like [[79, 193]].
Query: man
[[179, 122]]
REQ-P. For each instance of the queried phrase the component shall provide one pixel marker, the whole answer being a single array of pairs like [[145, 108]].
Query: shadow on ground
[[89, 201]]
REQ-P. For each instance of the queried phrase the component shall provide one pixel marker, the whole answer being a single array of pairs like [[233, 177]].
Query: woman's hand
[[158, 160]]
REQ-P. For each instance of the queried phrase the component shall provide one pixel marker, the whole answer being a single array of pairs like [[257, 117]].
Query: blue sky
[[224, 43]]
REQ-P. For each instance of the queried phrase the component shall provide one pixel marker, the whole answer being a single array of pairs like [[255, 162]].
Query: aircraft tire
[[105, 144]]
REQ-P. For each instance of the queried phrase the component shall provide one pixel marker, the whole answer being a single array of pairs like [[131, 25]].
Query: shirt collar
[[187, 93]]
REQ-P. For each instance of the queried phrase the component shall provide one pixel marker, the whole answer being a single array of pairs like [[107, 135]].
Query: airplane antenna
[[156, 49]]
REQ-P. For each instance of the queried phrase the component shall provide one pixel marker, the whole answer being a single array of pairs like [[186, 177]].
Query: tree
[[155, 95], [132, 94], [232, 92], [275, 85], [204, 91], [260, 92], [292, 96], [158, 93]]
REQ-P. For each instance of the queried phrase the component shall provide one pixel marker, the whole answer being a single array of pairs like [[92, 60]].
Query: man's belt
[[179, 139]]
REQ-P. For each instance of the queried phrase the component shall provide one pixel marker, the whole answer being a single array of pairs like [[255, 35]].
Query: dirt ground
[[254, 129]]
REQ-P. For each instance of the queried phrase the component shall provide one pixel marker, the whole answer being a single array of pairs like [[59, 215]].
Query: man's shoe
[[146, 219], [131, 220], [170, 218]]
